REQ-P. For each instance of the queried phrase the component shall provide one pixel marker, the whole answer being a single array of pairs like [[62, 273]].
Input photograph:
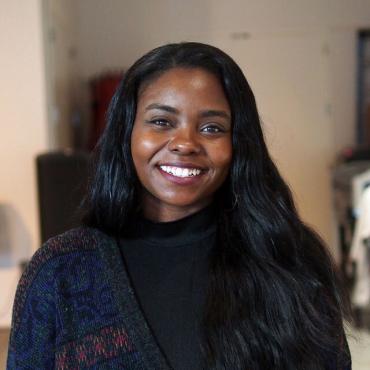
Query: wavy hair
[[274, 300]]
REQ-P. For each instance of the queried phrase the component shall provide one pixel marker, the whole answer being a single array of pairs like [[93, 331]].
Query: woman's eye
[[159, 122], [212, 129]]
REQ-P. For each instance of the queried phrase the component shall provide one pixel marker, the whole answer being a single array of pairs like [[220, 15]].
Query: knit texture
[[68, 313]]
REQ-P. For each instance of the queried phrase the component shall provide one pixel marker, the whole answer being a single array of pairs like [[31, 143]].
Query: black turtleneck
[[167, 264]]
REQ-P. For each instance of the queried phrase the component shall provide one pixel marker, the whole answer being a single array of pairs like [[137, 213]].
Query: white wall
[[23, 136], [62, 70], [308, 109]]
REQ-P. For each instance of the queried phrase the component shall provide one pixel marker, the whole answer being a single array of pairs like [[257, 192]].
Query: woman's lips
[[190, 180], [182, 165]]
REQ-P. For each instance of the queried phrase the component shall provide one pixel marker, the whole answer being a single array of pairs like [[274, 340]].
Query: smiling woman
[[181, 142], [192, 255]]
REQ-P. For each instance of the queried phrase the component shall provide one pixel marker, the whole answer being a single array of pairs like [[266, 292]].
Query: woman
[[192, 255]]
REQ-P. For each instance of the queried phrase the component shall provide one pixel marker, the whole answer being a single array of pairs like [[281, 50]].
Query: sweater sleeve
[[33, 330]]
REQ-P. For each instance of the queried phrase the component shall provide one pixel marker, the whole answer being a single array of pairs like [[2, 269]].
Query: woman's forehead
[[195, 84], [172, 72]]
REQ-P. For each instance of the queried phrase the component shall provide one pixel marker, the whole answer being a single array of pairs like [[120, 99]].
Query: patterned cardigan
[[75, 308]]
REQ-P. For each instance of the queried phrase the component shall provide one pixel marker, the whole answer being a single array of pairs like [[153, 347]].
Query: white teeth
[[181, 172]]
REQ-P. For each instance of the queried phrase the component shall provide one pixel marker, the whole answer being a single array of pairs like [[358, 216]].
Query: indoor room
[[308, 66]]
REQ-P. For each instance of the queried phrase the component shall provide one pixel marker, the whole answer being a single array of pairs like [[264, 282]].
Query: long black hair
[[274, 299]]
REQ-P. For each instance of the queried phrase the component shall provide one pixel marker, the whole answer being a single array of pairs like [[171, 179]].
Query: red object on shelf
[[102, 90]]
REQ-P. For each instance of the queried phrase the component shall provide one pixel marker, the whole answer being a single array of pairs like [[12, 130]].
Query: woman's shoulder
[[78, 240], [81, 238], [58, 256], [66, 267]]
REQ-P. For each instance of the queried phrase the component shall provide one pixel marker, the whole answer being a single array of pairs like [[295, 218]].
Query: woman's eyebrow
[[214, 113], [203, 114], [164, 107]]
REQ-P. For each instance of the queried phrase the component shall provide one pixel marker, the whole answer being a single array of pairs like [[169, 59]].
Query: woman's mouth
[[181, 172], [181, 175]]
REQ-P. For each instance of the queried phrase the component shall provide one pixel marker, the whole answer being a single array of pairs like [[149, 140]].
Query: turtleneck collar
[[184, 231]]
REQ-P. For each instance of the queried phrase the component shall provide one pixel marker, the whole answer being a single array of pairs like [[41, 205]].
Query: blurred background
[[307, 61]]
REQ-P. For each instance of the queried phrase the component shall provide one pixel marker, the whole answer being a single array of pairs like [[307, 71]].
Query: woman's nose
[[184, 141]]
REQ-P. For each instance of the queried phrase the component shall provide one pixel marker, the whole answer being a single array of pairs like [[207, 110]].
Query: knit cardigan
[[75, 308]]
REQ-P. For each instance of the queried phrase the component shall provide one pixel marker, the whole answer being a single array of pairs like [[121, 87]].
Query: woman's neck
[[158, 211]]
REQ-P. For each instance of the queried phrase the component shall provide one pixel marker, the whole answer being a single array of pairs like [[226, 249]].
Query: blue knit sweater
[[75, 309]]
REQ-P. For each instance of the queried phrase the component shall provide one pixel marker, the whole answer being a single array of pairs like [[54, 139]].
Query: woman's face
[[181, 142]]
